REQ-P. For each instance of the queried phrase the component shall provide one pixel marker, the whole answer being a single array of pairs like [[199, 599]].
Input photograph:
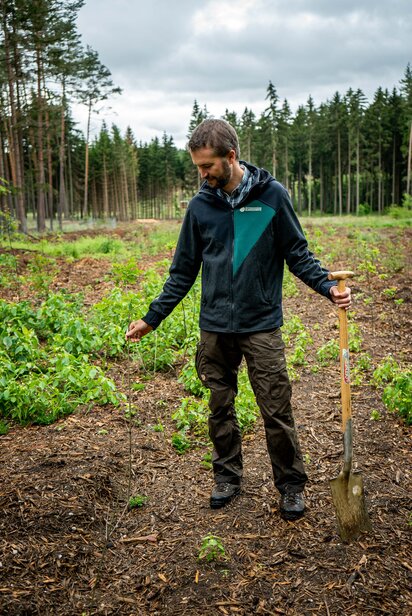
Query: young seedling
[[137, 501], [180, 442], [212, 549]]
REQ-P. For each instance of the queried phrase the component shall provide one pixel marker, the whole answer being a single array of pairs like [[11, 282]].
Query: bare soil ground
[[69, 545]]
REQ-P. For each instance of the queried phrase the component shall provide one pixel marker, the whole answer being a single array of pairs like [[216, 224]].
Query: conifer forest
[[345, 155]]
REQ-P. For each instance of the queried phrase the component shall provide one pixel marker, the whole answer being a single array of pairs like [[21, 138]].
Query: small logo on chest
[[251, 208]]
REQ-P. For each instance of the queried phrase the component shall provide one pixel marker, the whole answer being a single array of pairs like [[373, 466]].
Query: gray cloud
[[164, 54]]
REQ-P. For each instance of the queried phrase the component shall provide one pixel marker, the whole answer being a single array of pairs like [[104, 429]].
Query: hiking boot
[[222, 493], [292, 505]]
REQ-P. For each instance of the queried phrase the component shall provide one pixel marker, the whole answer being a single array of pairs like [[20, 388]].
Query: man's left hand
[[342, 300]]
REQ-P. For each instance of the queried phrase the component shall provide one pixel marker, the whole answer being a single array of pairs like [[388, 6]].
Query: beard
[[222, 179]]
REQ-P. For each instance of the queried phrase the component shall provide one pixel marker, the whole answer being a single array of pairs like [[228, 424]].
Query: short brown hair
[[216, 134]]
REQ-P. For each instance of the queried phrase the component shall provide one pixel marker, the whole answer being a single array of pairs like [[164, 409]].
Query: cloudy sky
[[164, 54]]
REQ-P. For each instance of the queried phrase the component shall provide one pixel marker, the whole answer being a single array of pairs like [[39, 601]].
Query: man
[[241, 228]]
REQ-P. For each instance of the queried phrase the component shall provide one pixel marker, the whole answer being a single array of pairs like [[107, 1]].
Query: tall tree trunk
[[321, 196], [41, 210], [274, 161], [409, 170], [287, 165], [300, 189], [49, 171], [248, 148], [357, 173], [86, 162], [310, 179], [105, 190], [349, 193], [125, 192], [16, 167], [95, 206], [3, 197], [380, 178], [69, 205], [61, 207], [339, 178], [393, 190]]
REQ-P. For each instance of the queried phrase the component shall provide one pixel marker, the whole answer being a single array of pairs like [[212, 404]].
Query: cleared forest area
[[105, 454]]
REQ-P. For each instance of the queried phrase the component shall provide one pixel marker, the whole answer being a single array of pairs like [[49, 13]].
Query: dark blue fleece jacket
[[242, 252]]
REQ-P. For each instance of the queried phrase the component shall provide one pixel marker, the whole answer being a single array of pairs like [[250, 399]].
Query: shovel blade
[[349, 500]]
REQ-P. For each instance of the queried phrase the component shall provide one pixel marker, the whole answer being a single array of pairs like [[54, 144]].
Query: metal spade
[[347, 487]]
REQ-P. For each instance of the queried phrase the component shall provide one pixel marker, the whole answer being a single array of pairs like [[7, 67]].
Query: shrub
[[397, 384], [364, 209], [192, 415], [385, 372], [397, 396]]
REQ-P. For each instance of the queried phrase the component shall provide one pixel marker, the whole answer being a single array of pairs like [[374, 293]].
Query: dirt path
[[69, 547]]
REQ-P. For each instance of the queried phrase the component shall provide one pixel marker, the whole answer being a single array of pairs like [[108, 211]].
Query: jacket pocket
[[200, 363]]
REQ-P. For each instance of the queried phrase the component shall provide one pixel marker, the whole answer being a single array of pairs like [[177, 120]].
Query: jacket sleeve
[[300, 260], [182, 273]]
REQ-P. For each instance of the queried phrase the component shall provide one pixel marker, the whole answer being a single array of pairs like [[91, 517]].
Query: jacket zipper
[[232, 302]]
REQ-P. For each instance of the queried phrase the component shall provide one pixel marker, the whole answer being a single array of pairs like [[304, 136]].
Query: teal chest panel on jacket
[[250, 223]]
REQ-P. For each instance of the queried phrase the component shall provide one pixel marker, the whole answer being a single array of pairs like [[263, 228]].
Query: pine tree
[[273, 114], [285, 119], [97, 87], [11, 34], [310, 120], [192, 178], [337, 114], [355, 103], [299, 145], [247, 136], [406, 90]]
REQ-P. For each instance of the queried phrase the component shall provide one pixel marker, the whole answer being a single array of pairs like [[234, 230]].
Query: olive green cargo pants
[[218, 359]]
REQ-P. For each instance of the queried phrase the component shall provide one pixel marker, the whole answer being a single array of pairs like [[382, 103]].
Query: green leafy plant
[[361, 366], [8, 270], [190, 380], [212, 549], [137, 501], [247, 410], [385, 372], [375, 415], [180, 442], [207, 461], [390, 292], [397, 396], [328, 353], [298, 355], [355, 337], [397, 387], [192, 415], [125, 273], [158, 427], [370, 259], [42, 271], [44, 370], [290, 288]]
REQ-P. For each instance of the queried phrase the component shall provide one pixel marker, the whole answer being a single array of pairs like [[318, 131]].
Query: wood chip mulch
[[70, 546]]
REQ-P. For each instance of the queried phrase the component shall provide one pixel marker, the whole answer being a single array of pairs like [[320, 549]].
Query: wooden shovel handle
[[344, 350]]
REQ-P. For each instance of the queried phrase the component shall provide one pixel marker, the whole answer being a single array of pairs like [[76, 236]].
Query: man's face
[[216, 170]]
